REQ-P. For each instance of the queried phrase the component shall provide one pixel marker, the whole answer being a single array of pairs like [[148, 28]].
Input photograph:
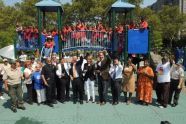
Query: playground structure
[[134, 41]]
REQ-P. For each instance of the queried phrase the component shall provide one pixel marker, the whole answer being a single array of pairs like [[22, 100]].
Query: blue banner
[[56, 47], [138, 41]]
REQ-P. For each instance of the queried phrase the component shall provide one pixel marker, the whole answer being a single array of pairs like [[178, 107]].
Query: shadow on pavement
[[26, 120]]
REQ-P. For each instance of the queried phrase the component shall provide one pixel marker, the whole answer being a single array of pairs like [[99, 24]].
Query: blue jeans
[[47, 52]]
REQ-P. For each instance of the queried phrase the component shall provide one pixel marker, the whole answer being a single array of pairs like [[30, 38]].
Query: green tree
[[155, 27], [7, 22], [172, 22]]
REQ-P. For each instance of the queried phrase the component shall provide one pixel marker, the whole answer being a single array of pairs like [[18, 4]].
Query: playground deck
[[90, 113]]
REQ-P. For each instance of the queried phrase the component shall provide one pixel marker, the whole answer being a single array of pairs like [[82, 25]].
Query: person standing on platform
[[63, 75], [116, 76], [103, 66], [77, 80], [48, 76]]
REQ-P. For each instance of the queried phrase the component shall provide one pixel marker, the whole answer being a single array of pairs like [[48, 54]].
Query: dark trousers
[[174, 90], [77, 86], [58, 88], [102, 89], [62, 89], [162, 91], [116, 89], [29, 92], [54, 90], [68, 88], [16, 95], [49, 91]]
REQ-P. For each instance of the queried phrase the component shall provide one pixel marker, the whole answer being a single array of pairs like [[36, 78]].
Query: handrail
[[41, 52]]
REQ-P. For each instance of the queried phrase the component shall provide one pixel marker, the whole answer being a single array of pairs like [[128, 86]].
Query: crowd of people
[[80, 34], [51, 81]]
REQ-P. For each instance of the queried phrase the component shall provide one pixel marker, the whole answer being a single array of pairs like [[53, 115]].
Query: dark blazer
[[104, 68], [89, 72], [78, 68]]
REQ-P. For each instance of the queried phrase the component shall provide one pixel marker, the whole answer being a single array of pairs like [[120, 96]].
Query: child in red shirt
[[48, 46]]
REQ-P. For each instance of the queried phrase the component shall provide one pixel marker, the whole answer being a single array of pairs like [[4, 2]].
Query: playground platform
[[90, 113]]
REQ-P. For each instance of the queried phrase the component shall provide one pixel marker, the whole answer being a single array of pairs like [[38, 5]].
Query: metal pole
[[149, 43], [113, 27], [110, 19], [39, 28], [126, 46], [44, 21], [59, 17]]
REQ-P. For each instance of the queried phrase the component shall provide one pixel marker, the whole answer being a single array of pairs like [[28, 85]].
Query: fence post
[[126, 45]]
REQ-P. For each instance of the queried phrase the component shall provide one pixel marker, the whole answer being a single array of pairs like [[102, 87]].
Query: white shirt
[[163, 72], [34, 66], [29, 72], [176, 74], [82, 66], [67, 68], [116, 69], [23, 58]]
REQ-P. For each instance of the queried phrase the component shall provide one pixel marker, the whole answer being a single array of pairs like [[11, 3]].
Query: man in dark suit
[[63, 75], [48, 77], [77, 80], [103, 66]]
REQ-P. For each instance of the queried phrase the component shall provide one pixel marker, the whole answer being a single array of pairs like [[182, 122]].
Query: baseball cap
[[13, 62]]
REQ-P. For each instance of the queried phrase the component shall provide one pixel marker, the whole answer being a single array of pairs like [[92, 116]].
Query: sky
[[145, 3]]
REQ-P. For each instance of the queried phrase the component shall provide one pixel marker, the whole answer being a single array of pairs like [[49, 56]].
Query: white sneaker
[[2, 98], [161, 107]]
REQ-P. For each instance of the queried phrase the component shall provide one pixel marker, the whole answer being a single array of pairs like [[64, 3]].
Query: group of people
[[80, 33], [27, 36], [49, 82]]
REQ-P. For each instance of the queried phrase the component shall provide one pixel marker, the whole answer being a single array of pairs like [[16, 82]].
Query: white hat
[[5, 60]]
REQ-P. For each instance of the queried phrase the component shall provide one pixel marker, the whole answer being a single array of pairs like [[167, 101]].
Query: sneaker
[[14, 110], [22, 107], [54, 102], [50, 105], [81, 102], [103, 103], [2, 98], [128, 102], [157, 103], [174, 105], [161, 107]]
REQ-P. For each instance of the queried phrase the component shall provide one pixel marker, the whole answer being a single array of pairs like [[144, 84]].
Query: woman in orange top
[[145, 84]]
